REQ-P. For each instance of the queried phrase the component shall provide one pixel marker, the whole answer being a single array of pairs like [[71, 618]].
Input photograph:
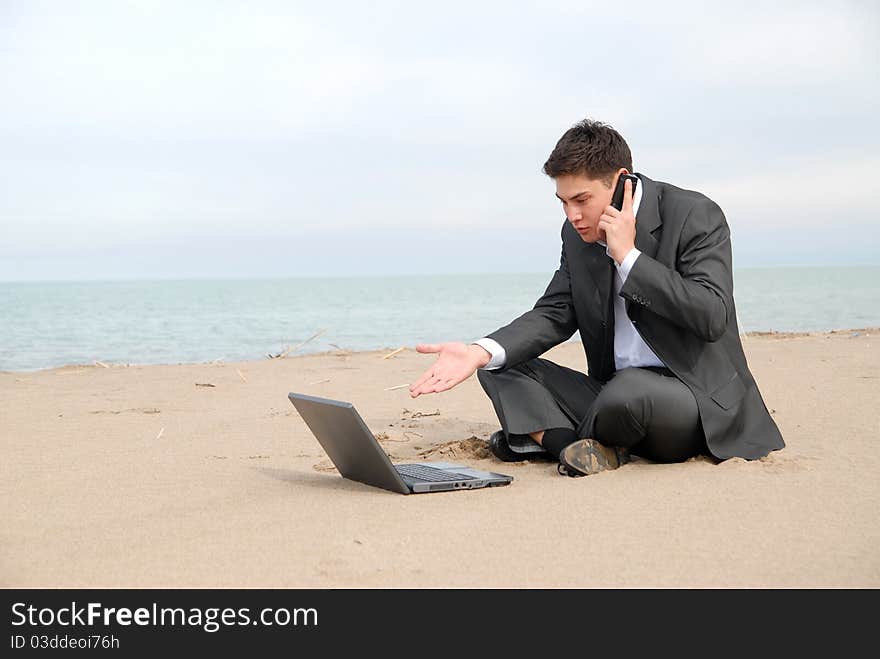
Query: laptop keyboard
[[423, 473]]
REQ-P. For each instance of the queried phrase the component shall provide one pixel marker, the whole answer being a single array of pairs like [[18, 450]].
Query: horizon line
[[97, 280]]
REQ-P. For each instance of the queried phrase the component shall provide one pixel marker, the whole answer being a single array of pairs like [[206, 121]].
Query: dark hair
[[589, 148]]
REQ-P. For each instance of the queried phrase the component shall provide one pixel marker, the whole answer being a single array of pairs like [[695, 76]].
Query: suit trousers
[[646, 410]]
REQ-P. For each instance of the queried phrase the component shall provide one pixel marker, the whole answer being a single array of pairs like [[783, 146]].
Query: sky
[[164, 140]]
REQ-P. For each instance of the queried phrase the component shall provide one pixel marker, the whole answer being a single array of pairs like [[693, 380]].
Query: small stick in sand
[[280, 355], [319, 381], [399, 386], [102, 364], [311, 338], [391, 354], [160, 433], [383, 436], [243, 378], [420, 414]]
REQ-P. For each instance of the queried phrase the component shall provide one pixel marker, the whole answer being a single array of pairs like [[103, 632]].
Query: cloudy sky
[[162, 140]]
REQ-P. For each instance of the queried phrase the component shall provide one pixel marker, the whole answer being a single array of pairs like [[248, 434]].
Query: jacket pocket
[[730, 393]]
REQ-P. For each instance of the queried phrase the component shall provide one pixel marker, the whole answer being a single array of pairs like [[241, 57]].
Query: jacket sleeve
[[550, 322], [698, 294]]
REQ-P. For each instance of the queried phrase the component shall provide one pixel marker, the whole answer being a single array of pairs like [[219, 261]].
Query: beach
[[203, 475]]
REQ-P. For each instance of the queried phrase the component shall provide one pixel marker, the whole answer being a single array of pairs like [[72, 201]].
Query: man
[[650, 288]]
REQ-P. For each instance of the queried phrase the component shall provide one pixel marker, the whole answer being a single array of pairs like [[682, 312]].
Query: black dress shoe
[[516, 451]]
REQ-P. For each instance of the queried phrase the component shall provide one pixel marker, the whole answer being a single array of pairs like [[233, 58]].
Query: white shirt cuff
[[627, 264], [499, 356]]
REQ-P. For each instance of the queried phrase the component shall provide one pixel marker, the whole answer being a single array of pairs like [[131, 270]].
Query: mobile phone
[[617, 198]]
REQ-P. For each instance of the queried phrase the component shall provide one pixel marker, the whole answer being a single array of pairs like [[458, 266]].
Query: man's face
[[584, 200]]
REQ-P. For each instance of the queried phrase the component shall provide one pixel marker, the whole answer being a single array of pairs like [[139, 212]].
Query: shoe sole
[[587, 456]]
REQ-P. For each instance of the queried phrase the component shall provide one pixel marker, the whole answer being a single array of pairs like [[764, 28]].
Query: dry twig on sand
[[101, 364], [416, 415], [399, 386], [383, 437], [243, 378], [282, 355], [311, 338], [391, 354]]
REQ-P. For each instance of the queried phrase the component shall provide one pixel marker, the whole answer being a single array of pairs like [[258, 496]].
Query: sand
[[145, 476]]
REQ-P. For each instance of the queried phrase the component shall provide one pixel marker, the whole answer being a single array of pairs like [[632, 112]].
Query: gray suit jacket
[[679, 297]]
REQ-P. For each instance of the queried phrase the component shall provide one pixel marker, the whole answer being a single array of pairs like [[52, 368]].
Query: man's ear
[[620, 172]]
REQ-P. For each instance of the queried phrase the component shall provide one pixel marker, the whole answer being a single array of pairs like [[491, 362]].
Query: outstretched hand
[[456, 363]]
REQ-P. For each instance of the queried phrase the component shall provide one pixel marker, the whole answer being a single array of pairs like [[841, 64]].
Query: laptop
[[358, 456]]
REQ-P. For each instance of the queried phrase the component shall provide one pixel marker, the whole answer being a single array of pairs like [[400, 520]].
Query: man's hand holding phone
[[619, 225]]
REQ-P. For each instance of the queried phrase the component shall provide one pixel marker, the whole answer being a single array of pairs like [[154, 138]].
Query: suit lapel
[[648, 218], [600, 266]]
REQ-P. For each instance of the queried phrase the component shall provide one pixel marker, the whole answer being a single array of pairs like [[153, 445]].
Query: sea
[[51, 324]]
